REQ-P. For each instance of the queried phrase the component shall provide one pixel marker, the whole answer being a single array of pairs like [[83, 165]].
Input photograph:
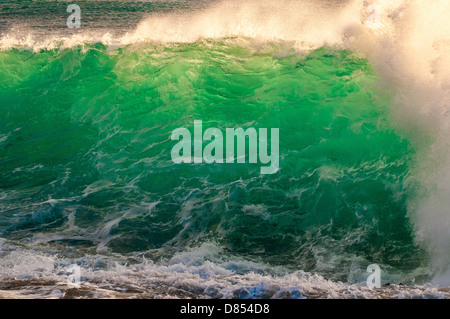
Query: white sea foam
[[29, 273]]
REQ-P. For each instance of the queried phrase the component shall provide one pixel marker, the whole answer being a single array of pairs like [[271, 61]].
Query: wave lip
[[306, 22]]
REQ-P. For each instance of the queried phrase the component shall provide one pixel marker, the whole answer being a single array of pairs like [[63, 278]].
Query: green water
[[89, 128]]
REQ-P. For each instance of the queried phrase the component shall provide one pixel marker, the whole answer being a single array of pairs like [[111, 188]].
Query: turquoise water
[[359, 95], [85, 160]]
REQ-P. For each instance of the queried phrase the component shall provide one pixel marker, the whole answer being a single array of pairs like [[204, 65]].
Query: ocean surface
[[360, 94]]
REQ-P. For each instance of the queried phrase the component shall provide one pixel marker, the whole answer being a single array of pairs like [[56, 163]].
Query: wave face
[[85, 124]]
